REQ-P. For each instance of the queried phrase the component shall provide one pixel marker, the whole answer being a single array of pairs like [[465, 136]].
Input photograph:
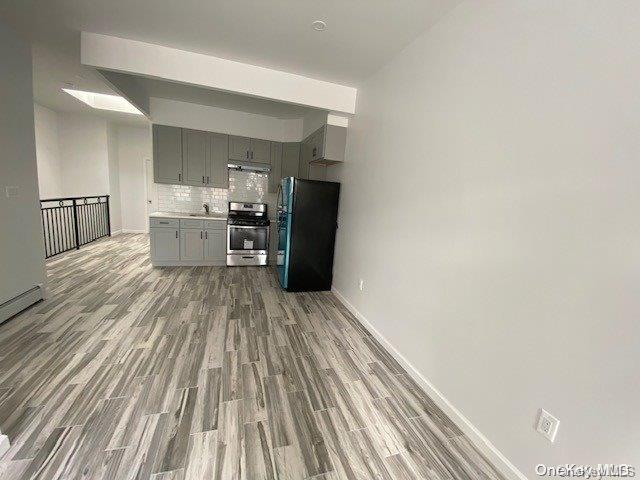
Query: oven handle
[[248, 226]]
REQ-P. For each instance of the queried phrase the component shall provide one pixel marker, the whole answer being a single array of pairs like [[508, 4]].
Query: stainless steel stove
[[247, 234]]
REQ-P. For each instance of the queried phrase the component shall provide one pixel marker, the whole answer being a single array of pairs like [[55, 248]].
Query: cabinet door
[[215, 246], [167, 154], [191, 244], [276, 166], [239, 148], [317, 144], [165, 244], [218, 173], [260, 151], [196, 152], [305, 158], [290, 159], [317, 172], [273, 245]]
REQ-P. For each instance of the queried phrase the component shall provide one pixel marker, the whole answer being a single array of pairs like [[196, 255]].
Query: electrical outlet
[[547, 425], [361, 285]]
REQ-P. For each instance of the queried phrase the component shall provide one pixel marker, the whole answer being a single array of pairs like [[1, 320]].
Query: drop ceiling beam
[[138, 58], [127, 87]]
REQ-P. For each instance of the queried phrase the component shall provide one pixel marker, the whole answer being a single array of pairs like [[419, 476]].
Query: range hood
[[249, 167]]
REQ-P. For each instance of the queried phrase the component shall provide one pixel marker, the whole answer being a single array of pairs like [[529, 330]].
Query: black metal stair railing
[[68, 223]]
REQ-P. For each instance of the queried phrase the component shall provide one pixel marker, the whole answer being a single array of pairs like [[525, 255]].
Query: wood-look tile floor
[[129, 371]]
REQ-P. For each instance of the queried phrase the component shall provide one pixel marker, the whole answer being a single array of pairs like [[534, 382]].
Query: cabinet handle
[[203, 179], [247, 154], [206, 235], [251, 154], [176, 233], [179, 177], [207, 180], [314, 152], [200, 234], [163, 223]]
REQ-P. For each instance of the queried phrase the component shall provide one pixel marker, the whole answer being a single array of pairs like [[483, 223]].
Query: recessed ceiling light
[[319, 25], [102, 101]]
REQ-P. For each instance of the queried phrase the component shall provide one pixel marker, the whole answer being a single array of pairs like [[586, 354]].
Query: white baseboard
[[15, 305], [479, 440], [126, 230], [115, 232], [4, 445]]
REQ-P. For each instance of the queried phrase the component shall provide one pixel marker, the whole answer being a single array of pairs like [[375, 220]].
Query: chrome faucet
[[206, 208]]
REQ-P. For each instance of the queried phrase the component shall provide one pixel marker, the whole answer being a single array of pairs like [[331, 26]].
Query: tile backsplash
[[243, 186], [187, 199], [248, 186]]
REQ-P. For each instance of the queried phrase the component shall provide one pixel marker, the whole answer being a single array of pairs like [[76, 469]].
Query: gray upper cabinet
[[290, 159], [196, 155], [249, 149], [218, 173], [167, 154], [276, 166], [317, 171], [327, 144], [260, 151], [317, 144], [239, 148], [305, 159]]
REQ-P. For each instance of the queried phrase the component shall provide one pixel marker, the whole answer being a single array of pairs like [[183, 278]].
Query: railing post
[[108, 218], [75, 224]]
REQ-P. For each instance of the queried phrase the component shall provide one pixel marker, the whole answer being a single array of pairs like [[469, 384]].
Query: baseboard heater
[[18, 303]]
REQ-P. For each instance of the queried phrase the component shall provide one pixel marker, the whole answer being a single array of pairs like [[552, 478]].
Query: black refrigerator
[[307, 223]]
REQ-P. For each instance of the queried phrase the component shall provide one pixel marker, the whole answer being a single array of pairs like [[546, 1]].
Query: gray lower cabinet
[[188, 241], [165, 244], [191, 244], [196, 156], [273, 242], [215, 246], [167, 154], [260, 151]]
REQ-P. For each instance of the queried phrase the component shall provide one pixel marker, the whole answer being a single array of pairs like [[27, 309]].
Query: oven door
[[247, 239]]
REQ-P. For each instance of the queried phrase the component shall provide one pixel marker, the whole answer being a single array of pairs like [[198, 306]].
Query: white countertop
[[212, 216]]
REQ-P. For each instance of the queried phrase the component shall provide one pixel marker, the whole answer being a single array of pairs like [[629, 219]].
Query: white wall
[[48, 152], [490, 202], [134, 145], [84, 153], [113, 152], [21, 244], [202, 117], [95, 157]]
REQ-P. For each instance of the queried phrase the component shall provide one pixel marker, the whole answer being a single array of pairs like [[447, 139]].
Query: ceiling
[[361, 36], [215, 98]]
